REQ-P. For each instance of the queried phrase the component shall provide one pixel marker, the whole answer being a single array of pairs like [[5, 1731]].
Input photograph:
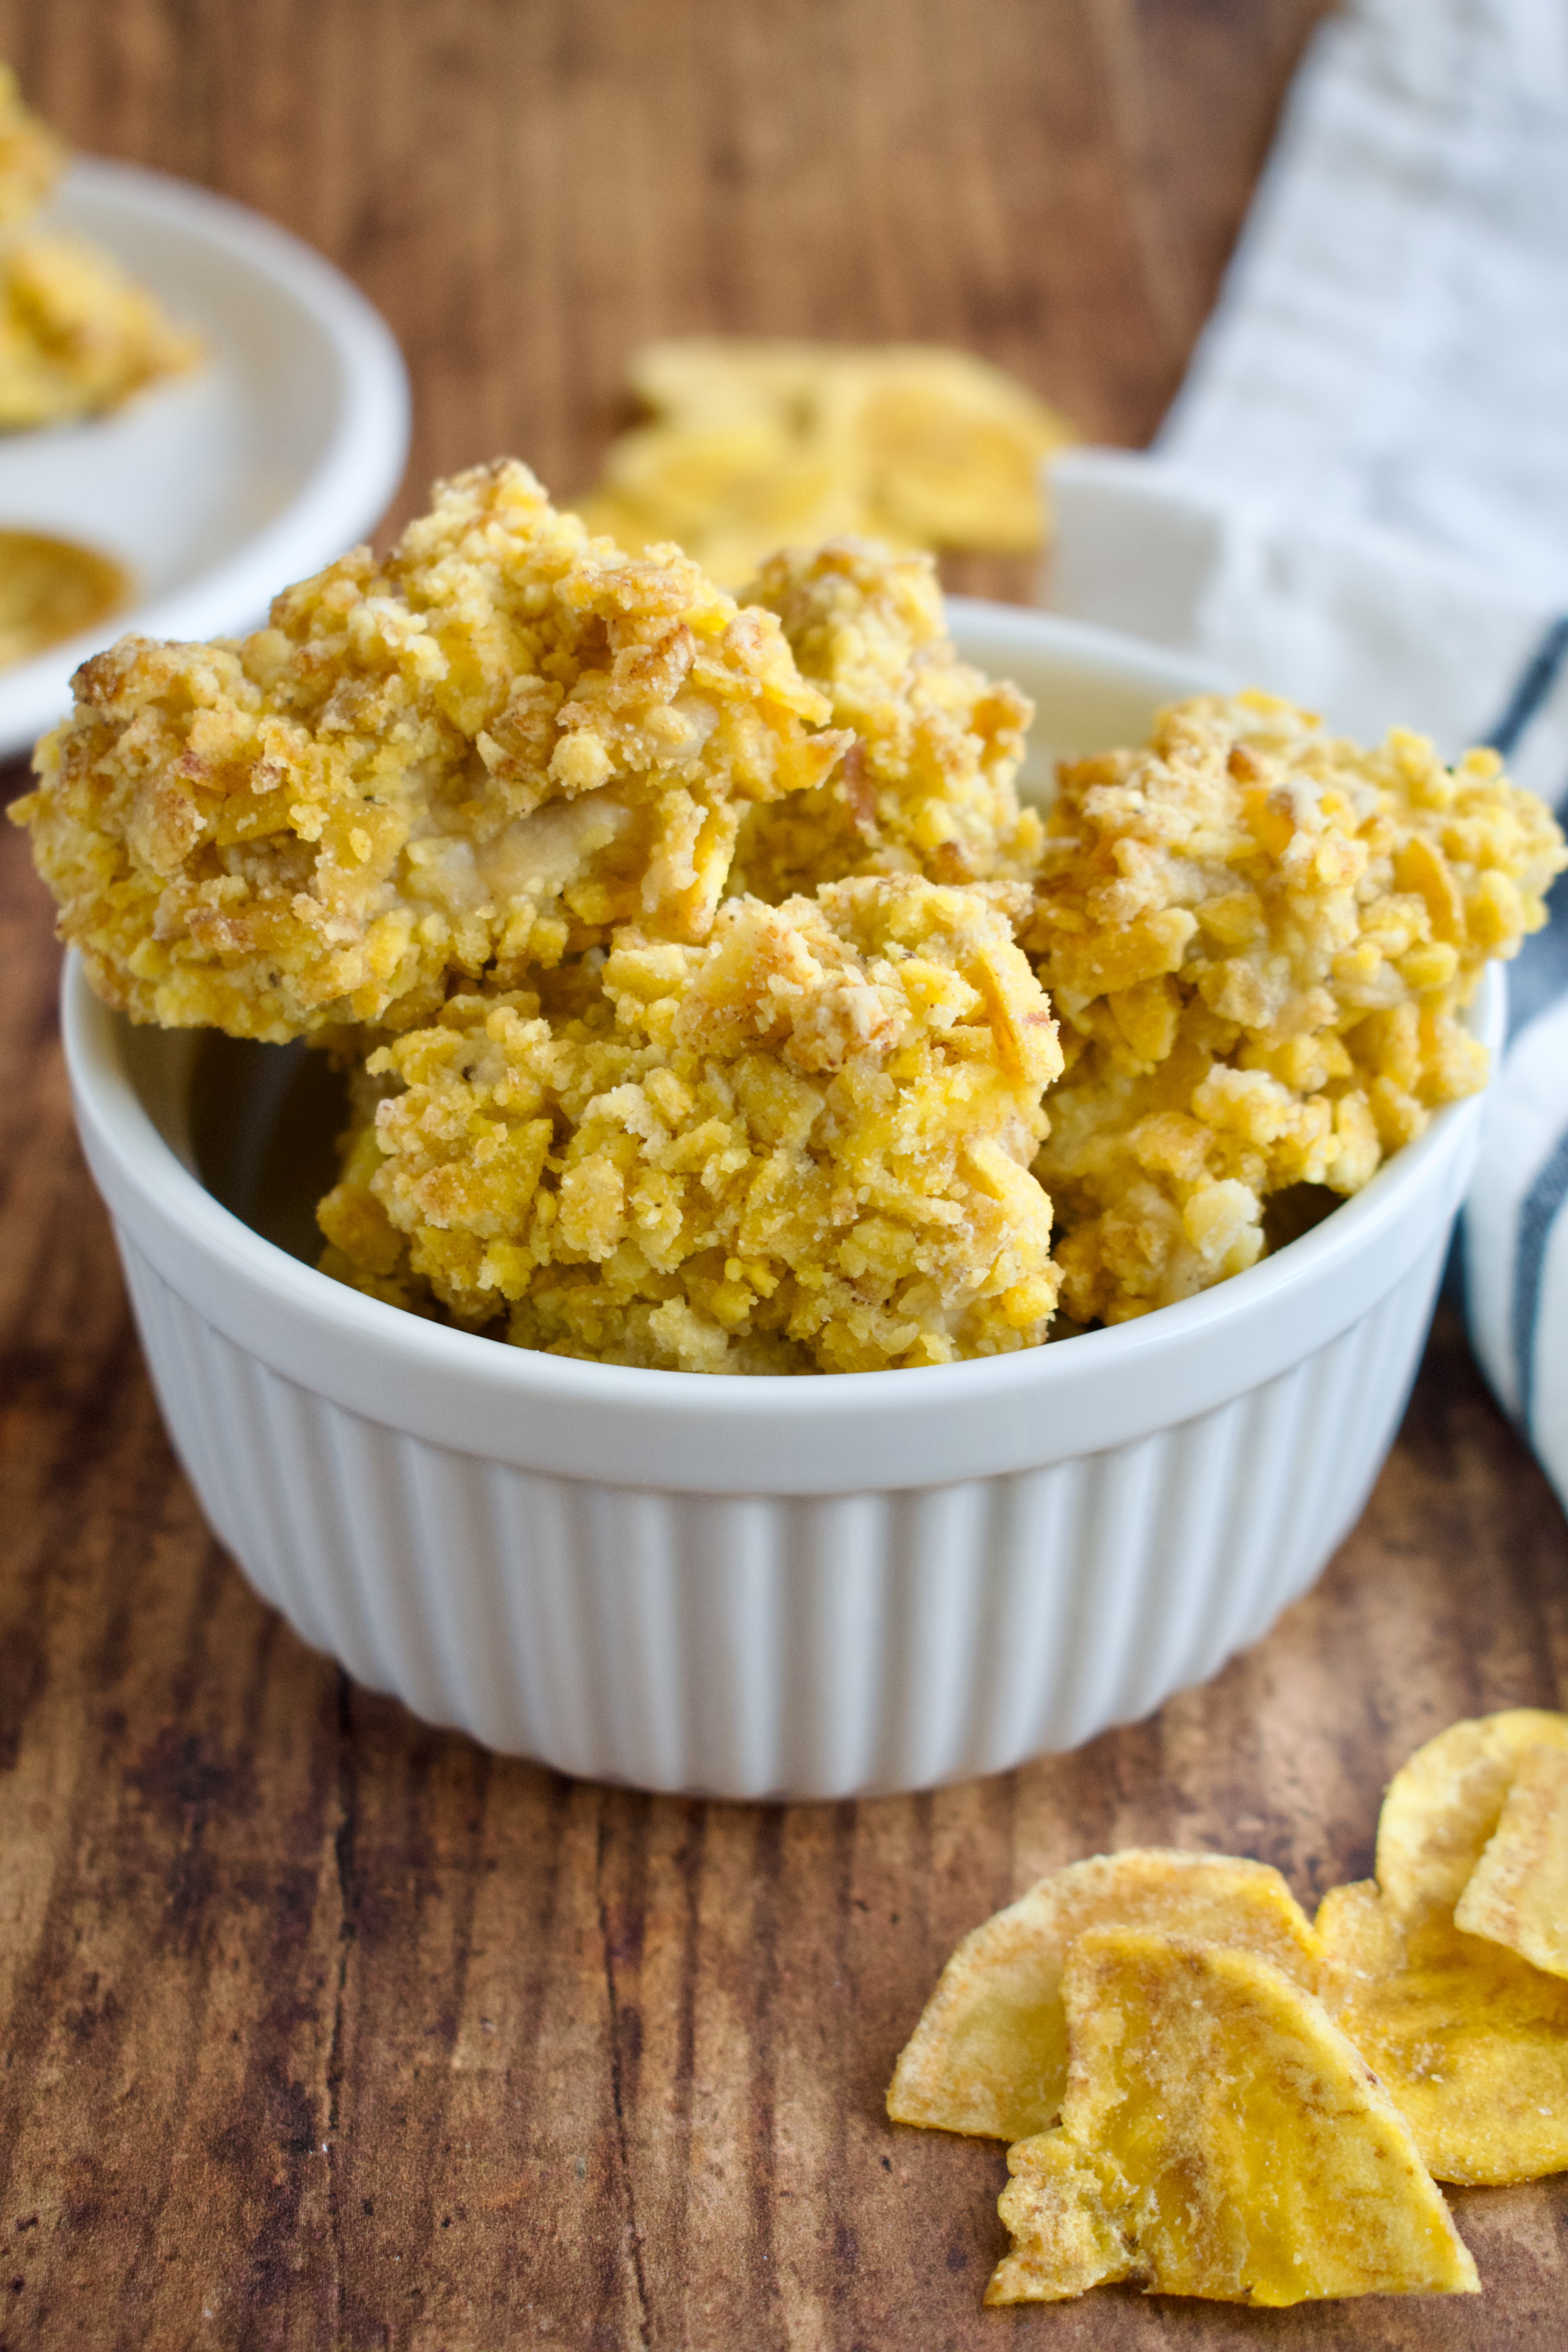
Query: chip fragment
[[1443, 1805], [1517, 1895], [1469, 2040], [989, 2055], [1219, 2137], [754, 445]]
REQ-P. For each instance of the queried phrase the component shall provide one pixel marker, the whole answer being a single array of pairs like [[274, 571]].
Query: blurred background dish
[[269, 460]]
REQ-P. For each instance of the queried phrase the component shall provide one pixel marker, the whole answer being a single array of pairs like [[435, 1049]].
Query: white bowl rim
[[352, 484], [1096, 1389]]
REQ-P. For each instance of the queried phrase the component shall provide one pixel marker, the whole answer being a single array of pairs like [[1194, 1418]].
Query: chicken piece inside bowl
[[758, 1586]]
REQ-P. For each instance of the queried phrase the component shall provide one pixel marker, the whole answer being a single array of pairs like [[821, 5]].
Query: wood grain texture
[[324, 2029]]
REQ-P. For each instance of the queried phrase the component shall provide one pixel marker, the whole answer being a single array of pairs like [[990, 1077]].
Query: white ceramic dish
[[806, 1588], [282, 450]]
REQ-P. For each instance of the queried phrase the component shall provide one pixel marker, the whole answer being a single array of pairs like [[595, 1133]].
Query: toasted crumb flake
[[464, 762], [803, 1147], [927, 787], [1258, 939]]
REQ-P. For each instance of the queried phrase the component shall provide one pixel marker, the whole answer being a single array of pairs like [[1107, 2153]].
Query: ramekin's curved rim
[[837, 1434]]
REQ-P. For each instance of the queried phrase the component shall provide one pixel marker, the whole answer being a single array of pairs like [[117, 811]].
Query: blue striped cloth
[[1359, 500]]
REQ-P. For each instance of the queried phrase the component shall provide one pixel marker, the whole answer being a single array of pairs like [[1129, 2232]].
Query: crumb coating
[[1258, 939], [469, 760], [927, 786], [77, 335], [802, 1147]]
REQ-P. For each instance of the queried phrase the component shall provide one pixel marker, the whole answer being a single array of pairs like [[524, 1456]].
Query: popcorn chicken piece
[[31, 157], [1517, 1895], [469, 761], [1443, 1806], [927, 786], [77, 335], [1469, 2040], [803, 1147], [990, 2052], [753, 445], [1219, 2137], [1258, 939]]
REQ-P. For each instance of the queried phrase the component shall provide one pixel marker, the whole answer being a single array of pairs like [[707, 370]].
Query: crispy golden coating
[[990, 2052], [31, 157], [466, 761], [77, 335], [1219, 2137], [1258, 939], [927, 787], [802, 1147]]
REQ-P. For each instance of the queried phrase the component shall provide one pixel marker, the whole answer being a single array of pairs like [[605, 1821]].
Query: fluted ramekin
[[785, 1588]]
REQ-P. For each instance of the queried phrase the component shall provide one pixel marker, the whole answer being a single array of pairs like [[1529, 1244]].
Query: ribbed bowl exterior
[[782, 1645]]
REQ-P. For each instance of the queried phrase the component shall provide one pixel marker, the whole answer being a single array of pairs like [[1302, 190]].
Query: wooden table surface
[[323, 2029]]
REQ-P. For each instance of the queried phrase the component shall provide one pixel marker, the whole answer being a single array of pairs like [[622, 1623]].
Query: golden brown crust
[[928, 784], [463, 762], [803, 1147], [1259, 938]]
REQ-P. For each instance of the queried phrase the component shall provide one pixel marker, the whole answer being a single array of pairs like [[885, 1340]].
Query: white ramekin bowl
[[752, 1588]]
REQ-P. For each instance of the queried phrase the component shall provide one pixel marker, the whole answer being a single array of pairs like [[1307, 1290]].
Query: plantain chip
[[1444, 1804], [1469, 2040], [754, 445], [989, 2055], [1219, 2137], [1517, 1895]]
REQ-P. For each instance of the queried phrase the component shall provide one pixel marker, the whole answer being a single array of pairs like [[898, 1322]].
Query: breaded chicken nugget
[[465, 760], [802, 1147], [1258, 939]]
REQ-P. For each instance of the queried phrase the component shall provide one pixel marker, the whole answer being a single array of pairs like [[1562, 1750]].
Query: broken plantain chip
[[1517, 1895], [1469, 2040], [989, 2055], [1444, 1804], [1219, 2137], [750, 445]]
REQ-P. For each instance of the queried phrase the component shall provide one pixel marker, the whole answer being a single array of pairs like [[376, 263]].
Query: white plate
[[218, 488]]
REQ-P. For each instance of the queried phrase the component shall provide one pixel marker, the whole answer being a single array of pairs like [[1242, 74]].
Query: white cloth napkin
[[1360, 499]]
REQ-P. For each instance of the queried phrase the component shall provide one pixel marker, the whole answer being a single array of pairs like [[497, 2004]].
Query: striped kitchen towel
[[1360, 499]]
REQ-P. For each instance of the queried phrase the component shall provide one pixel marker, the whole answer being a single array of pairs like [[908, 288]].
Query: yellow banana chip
[[1469, 2040], [1219, 2137], [989, 2055], [1444, 1804], [754, 445], [1517, 1893]]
